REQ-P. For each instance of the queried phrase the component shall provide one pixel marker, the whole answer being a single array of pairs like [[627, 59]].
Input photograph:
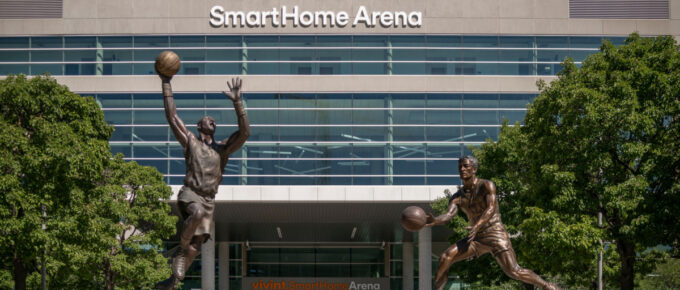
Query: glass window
[[514, 100], [13, 42], [478, 117], [114, 100], [148, 133], [369, 61], [189, 58], [334, 41], [6, 69], [552, 42], [264, 162], [337, 255], [480, 41], [161, 165], [367, 255], [517, 41], [148, 100], [480, 134], [151, 41], [120, 133], [291, 116], [125, 149], [296, 41], [300, 62], [47, 42], [153, 150], [261, 41], [443, 133], [585, 42], [340, 270], [116, 41], [370, 41], [333, 61], [223, 41], [480, 101], [444, 41], [47, 55], [330, 102], [191, 100], [187, 41], [289, 255], [512, 116], [80, 55], [13, 56], [149, 117], [53, 69], [80, 41]]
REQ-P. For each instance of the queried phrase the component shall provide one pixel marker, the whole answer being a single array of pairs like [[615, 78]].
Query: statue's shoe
[[167, 284]]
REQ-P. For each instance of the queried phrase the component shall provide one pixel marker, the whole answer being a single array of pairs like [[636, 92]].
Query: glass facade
[[320, 139], [298, 55]]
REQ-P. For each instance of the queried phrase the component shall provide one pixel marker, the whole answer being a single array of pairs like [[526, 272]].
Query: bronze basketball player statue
[[205, 161], [477, 199]]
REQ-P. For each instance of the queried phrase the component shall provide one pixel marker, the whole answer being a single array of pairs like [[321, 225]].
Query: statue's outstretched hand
[[234, 93], [429, 222]]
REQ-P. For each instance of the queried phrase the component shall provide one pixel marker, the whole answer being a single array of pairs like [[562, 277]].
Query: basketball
[[413, 218], [167, 63]]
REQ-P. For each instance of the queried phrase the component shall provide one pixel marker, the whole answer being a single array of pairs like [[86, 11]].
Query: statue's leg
[[194, 218], [508, 262], [459, 251]]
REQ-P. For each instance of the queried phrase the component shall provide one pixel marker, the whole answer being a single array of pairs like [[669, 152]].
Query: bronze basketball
[[167, 63], [413, 218]]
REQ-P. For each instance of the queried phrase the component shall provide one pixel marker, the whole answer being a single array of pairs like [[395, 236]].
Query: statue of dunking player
[[205, 161], [477, 199]]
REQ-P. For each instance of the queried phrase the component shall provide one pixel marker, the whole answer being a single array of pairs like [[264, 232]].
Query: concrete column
[[208, 262], [425, 258], [407, 266], [223, 274]]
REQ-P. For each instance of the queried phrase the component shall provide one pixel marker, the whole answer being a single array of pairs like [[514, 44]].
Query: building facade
[[358, 109]]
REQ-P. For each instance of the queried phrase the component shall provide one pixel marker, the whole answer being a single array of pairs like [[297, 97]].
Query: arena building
[[358, 109]]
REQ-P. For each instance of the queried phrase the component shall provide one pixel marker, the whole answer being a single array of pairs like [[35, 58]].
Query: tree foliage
[[601, 138], [56, 170]]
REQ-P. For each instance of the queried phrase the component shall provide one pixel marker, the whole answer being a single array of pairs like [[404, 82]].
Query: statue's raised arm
[[176, 124], [238, 138]]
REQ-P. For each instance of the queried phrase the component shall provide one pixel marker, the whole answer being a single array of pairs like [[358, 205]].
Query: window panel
[[149, 117], [47, 55], [480, 134], [444, 41], [158, 150], [80, 41], [443, 133], [512, 116], [514, 100], [368, 134], [114, 101], [14, 56], [6, 69], [517, 41], [116, 41], [149, 100], [47, 42], [161, 165], [480, 101], [480, 117], [125, 149], [80, 55], [53, 69], [552, 42], [187, 41], [223, 41], [14, 42], [121, 133], [151, 41], [143, 133]]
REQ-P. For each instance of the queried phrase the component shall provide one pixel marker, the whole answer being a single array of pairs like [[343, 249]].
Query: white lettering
[[343, 19], [386, 19], [364, 286], [233, 16], [400, 18], [306, 18], [418, 21], [275, 17], [253, 18], [362, 16], [217, 16], [285, 15], [325, 17]]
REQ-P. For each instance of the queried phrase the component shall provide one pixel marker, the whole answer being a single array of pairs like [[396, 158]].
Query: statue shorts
[[188, 196], [494, 239]]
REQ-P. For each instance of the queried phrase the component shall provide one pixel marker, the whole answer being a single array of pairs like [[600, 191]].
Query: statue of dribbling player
[[477, 199], [205, 162]]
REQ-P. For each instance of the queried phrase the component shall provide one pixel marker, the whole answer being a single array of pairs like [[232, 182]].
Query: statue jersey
[[473, 203], [204, 165]]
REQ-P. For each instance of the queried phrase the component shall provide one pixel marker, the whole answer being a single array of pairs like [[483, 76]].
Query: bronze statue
[[205, 162], [477, 199]]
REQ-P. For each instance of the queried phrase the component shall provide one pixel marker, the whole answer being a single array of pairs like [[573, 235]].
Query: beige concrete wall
[[540, 17], [315, 84]]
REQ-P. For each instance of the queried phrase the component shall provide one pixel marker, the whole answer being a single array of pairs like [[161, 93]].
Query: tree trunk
[[108, 275], [627, 252], [19, 274]]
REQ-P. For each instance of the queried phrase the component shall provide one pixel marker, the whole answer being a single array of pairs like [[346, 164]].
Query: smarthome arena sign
[[255, 283], [285, 16]]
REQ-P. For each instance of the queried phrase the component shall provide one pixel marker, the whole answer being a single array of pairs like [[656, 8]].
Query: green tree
[[53, 146], [103, 218], [602, 138], [665, 276]]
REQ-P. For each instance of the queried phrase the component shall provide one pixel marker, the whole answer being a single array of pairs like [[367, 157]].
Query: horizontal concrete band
[[527, 17], [357, 193], [312, 84]]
